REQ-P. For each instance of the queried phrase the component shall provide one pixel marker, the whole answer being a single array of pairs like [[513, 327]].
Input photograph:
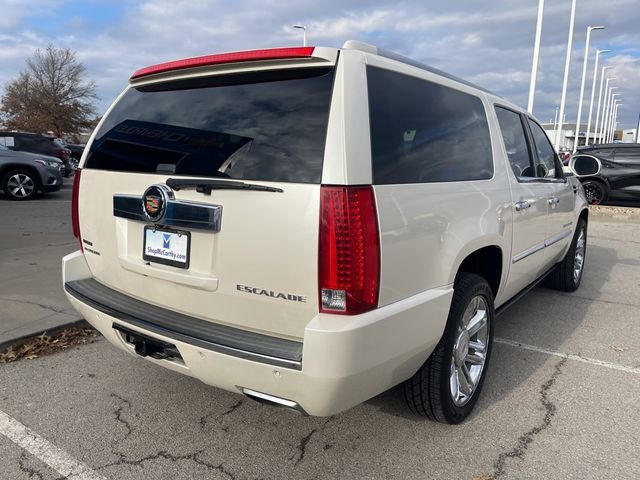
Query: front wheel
[[20, 185], [595, 191], [447, 386]]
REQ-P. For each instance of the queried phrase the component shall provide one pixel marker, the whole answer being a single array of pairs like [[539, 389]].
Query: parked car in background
[[609, 173], [76, 150], [37, 143], [564, 154], [23, 174]]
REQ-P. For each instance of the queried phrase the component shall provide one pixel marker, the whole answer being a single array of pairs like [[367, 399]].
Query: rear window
[[425, 132], [268, 126]]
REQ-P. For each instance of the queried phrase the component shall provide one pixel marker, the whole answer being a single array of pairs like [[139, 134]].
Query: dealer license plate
[[169, 247]]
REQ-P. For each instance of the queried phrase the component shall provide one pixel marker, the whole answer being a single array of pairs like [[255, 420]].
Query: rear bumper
[[342, 361]]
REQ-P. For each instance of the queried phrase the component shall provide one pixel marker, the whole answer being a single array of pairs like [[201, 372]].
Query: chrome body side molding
[[541, 246]]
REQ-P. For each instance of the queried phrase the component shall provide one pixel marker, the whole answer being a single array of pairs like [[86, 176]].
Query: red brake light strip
[[231, 57]]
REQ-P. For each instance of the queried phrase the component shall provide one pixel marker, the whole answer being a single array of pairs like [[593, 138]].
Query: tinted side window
[[604, 152], [515, 142], [628, 154], [25, 142], [546, 166], [425, 132]]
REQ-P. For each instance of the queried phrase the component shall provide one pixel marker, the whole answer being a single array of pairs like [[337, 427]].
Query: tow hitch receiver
[[146, 346]]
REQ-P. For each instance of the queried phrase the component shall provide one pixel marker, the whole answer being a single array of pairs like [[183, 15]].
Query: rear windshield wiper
[[205, 186]]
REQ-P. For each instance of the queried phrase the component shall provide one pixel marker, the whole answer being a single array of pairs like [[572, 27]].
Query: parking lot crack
[[44, 306], [194, 457], [232, 408], [519, 451], [205, 419], [304, 441], [26, 469], [124, 403]]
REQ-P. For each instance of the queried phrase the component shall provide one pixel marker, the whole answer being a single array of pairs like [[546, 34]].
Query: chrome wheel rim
[[21, 185], [594, 193], [578, 259], [469, 351]]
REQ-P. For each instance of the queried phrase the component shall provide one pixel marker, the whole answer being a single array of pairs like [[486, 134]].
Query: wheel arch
[[486, 261], [584, 214], [5, 168], [595, 178]]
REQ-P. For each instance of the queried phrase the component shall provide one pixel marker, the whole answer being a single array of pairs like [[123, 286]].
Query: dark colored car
[[76, 150], [564, 154], [23, 174], [37, 143], [609, 173]]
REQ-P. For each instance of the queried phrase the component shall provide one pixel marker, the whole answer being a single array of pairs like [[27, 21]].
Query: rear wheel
[[20, 185], [447, 386], [566, 276], [595, 191]]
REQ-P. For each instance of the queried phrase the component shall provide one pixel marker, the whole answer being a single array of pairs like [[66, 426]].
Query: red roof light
[[231, 57]]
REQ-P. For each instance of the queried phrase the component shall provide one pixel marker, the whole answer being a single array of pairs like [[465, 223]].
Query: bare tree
[[52, 93]]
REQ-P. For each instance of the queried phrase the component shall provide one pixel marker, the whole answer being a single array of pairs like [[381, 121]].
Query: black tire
[[19, 177], [595, 191], [428, 393], [563, 277]]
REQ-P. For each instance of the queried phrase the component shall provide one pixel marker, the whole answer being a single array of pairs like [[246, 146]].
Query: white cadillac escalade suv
[[313, 226]]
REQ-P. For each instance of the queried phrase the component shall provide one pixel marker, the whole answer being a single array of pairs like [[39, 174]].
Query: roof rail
[[368, 48]]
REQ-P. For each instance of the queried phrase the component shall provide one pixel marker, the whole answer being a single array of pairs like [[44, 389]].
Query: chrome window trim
[[179, 213]]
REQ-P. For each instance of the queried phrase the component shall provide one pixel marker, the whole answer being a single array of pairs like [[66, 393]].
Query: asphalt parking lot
[[560, 401]]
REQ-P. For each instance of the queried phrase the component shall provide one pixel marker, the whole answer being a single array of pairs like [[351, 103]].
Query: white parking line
[[44, 450], [577, 358]]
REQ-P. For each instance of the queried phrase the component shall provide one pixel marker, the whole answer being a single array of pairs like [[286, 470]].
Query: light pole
[[605, 107], [304, 33], [536, 54], [567, 61], [609, 113], [593, 92], [584, 74], [595, 127], [614, 120]]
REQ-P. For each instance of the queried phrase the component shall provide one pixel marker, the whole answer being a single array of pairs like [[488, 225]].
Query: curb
[[50, 331]]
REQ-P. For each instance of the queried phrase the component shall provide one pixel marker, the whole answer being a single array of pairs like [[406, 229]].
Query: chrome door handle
[[522, 205], [554, 201]]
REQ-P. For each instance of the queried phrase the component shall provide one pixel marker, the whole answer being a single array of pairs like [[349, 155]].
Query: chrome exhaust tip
[[273, 401]]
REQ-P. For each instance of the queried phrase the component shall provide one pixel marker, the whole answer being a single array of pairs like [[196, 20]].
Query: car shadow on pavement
[[545, 318]]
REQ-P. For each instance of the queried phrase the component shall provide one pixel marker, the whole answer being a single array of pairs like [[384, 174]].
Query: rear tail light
[[75, 218], [63, 153], [349, 250]]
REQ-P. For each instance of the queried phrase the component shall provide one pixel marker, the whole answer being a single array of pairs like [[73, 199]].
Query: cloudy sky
[[489, 42]]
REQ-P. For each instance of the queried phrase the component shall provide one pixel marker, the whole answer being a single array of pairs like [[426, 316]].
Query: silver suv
[[23, 174], [312, 226]]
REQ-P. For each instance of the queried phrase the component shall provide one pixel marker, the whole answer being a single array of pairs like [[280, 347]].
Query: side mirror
[[584, 165]]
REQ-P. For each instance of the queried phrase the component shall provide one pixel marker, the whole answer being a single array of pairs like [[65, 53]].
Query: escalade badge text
[[270, 293]]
